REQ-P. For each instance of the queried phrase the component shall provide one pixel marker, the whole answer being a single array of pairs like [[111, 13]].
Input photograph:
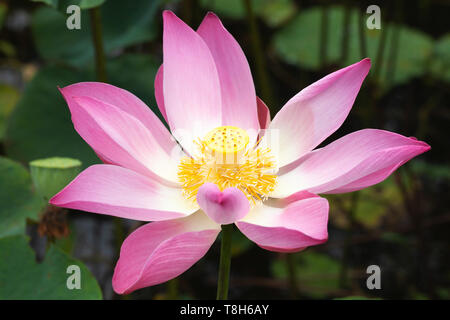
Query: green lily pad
[[40, 125], [8, 100], [63, 4], [17, 199], [298, 43], [441, 62], [272, 12], [21, 277], [136, 73], [124, 23]]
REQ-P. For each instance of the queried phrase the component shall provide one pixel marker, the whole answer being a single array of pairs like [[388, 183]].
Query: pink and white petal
[[160, 251], [119, 137], [263, 114], [291, 228], [125, 101], [236, 82], [223, 207], [191, 87], [353, 162], [159, 92], [116, 191], [316, 112]]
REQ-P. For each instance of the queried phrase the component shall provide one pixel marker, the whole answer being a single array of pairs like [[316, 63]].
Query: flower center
[[227, 139], [224, 158]]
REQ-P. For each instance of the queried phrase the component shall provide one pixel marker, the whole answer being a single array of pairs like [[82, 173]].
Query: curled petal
[[117, 191], [263, 114], [316, 112], [222, 207], [159, 92], [353, 162], [290, 228], [160, 251]]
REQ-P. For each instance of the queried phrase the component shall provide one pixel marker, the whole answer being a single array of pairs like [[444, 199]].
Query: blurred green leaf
[[7, 49], [8, 100], [3, 11], [441, 58], [67, 243], [395, 238], [63, 4], [317, 273], [40, 126], [230, 8], [86, 4], [275, 13], [22, 278], [17, 199], [136, 73], [272, 12], [298, 43], [356, 298], [123, 24], [374, 204], [435, 171], [443, 293]]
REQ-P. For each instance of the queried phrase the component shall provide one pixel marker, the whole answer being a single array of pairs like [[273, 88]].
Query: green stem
[[292, 275], [346, 35], [100, 61], [323, 35], [392, 58], [362, 35], [343, 276], [260, 66], [225, 262]]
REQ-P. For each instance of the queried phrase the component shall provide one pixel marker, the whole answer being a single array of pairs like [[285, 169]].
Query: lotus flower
[[177, 179]]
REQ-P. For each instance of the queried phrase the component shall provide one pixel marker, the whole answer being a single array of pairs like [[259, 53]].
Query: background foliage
[[401, 224]]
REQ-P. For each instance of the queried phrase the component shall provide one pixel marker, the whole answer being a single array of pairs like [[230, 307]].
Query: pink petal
[[300, 224], [160, 251], [317, 111], [263, 114], [159, 93], [353, 162], [120, 138], [117, 191], [236, 82], [190, 83], [125, 101], [222, 207]]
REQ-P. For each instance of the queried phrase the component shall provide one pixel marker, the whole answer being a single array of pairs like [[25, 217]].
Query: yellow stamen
[[250, 170]]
